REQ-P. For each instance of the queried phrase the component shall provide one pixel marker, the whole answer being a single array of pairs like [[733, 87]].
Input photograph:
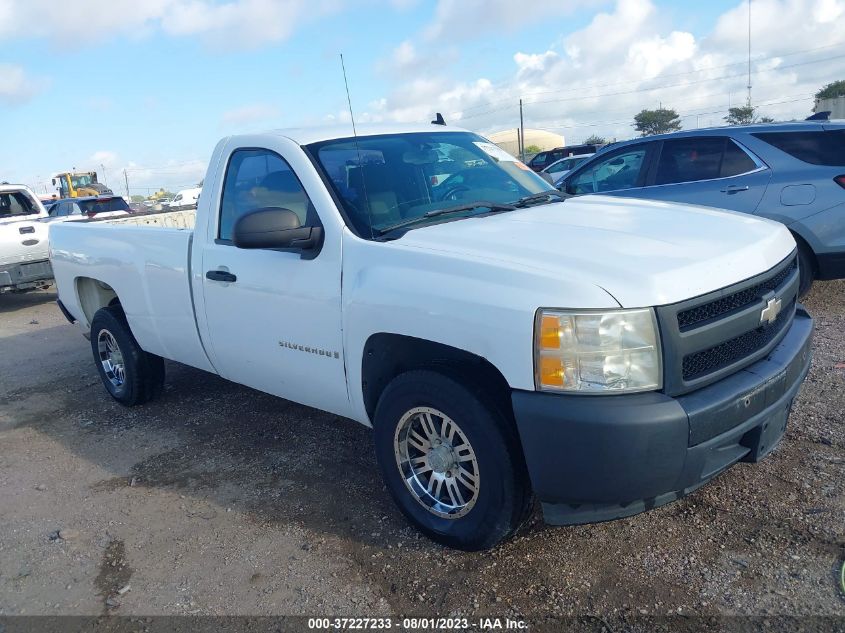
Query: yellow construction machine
[[78, 184]]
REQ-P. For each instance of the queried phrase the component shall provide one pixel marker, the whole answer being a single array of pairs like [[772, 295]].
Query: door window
[[258, 179], [694, 159], [539, 160], [689, 160], [736, 161], [619, 171]]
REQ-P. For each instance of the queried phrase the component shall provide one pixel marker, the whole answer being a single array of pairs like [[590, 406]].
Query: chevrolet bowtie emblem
[[771, 311]]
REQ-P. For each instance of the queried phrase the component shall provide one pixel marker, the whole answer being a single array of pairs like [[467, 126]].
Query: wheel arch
[[804, 243], [94, 294], [388, 355]]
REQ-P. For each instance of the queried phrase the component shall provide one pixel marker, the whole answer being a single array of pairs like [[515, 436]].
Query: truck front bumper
[[25, 276], [597, 458]]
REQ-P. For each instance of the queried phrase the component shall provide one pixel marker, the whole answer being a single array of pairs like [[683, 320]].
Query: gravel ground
[[217, 499]]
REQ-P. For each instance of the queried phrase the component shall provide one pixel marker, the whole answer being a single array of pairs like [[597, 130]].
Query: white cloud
[[16, 87], [629, 58], [104, 157], [404, 55], [251, 113], [463, 19], [238, 24]]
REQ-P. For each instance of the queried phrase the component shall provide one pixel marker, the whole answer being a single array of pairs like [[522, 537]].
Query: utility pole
[[126, 180], [749, 53], [522, 133], [103, 169]]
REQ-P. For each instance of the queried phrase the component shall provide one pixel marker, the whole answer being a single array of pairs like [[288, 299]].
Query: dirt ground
[[217, 499]]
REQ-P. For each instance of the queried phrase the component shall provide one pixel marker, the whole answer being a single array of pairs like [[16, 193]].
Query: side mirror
[[547, 177], [54, 181], [274, 227]]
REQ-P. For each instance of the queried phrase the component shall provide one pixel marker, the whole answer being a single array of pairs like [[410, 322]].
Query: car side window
[[258, 179], [736, 161], [75, 209], [618, 171], [539, 159], [689, 160]]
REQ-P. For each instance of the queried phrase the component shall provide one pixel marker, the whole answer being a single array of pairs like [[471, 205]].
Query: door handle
[[221, 275], [730, 189]]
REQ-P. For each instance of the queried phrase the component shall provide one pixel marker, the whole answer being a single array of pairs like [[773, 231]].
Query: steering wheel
[[451, 192]]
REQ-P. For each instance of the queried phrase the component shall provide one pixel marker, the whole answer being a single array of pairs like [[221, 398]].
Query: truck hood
[[643, 253]]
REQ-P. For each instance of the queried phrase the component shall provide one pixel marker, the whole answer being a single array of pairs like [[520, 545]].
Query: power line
[[682, 116]]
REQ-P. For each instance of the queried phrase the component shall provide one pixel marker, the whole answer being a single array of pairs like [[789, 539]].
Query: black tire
[[143, 378], [806, 267], [503, 500]]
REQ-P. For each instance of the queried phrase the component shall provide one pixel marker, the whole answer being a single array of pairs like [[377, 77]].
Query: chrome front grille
[[711, 336]]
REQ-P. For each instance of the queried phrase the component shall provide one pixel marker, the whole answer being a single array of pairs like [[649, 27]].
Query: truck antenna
[[357, 148]]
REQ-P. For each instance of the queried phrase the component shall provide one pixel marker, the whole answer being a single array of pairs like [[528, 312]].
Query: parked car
[[71, 209], [186, 199], [24, 263], [604, 355], [542, 160], [790, 172], [558, 169]]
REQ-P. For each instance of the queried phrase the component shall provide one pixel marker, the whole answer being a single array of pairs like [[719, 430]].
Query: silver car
[[558, 169], [790, 172]]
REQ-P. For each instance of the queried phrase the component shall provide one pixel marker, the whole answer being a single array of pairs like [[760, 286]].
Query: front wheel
[[130, 375], [451, 461]]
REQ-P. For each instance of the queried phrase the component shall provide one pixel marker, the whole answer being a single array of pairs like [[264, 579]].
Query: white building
[[508, 140], [835, 106]]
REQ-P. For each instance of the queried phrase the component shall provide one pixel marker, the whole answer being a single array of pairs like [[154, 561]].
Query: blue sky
[[151, 86]]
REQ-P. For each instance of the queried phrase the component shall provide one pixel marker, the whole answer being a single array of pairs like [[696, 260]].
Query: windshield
[[82, 180], [387, 180], [16, 203], [101, 205]]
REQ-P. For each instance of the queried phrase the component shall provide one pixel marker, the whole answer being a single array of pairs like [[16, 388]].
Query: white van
[[185, 199]]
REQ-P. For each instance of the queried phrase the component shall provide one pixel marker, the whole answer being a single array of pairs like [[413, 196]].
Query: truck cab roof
[[317, 134]]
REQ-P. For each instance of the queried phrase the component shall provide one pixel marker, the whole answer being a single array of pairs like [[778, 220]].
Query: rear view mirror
[[274, 227]]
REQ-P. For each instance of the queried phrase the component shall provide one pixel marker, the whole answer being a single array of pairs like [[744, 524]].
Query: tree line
[[663, 120]]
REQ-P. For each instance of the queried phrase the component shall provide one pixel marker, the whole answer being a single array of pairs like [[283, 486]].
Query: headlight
[[591, 351]]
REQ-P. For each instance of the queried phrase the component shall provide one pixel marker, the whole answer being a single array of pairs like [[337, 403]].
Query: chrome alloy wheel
[[437, 462], [111, 358]]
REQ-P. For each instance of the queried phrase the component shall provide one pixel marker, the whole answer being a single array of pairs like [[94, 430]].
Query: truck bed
[[170, 220], [143, 259]]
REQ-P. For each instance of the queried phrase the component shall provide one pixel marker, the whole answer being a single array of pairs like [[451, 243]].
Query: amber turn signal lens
[[550, 332], [551, 372]]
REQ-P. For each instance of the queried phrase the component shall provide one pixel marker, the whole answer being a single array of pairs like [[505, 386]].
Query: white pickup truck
[[605, 356], [24, 263]]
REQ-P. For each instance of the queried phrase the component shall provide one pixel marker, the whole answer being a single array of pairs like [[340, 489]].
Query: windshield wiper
[[458, 208], [543, 196]]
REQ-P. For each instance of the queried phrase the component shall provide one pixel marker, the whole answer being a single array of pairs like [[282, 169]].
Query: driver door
[[273, 316]]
